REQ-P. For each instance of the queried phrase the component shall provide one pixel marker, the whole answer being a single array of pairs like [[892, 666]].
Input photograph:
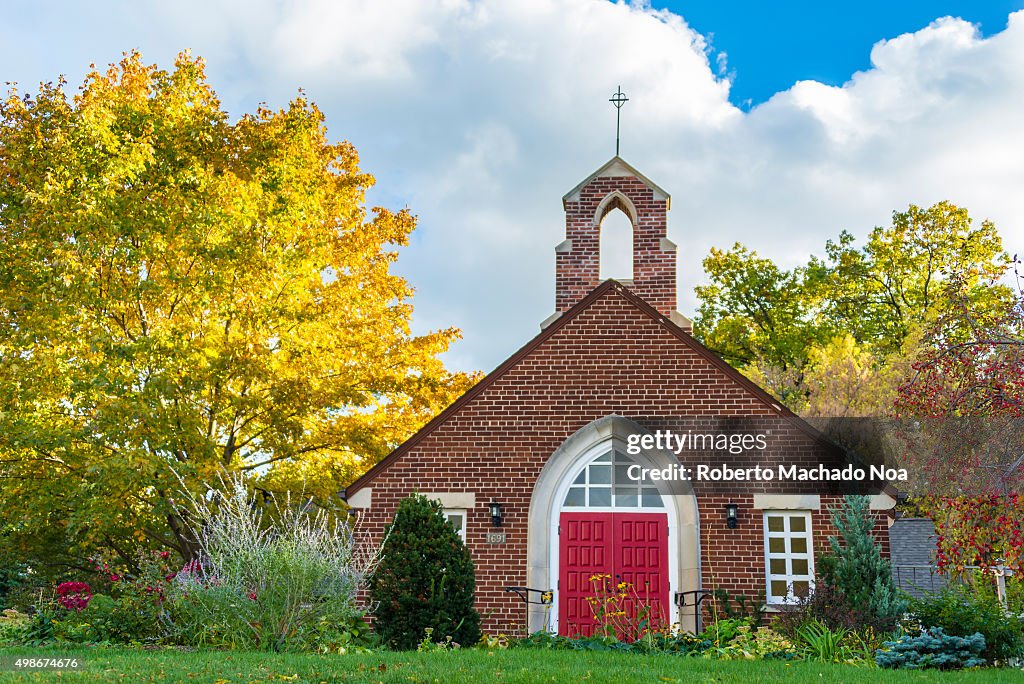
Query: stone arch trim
[[616, 199], [614, 430]]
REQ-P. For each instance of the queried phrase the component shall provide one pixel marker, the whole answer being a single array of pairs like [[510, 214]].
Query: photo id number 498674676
[[30, 664]]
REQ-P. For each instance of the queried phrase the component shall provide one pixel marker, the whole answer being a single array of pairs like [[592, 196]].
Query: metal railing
[[919, 580], [532, 597], [694, 599]]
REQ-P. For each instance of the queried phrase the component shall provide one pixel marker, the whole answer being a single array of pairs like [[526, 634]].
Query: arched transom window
[[605, 483]]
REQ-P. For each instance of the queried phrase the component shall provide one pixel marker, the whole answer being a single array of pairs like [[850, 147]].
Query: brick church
[[536, 465]]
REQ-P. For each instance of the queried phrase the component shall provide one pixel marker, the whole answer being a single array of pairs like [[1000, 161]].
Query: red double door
[[630, 548]]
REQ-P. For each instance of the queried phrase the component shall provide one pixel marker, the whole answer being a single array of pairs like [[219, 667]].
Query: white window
[[789, 559], [605, 483], [457, 518]]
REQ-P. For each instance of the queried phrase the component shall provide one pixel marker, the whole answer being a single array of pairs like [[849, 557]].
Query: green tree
[[178, 290], [753, 311], [424, 581], [881, 292], [850, 321]]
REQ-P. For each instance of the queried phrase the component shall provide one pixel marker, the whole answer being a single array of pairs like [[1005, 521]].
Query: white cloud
[[479, 115]]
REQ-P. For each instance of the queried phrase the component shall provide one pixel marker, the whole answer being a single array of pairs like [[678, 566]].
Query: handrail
[[525, 593], [698, 597]]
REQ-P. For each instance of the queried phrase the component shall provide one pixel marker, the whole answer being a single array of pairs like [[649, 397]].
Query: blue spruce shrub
[[855, 567], [932, 648]]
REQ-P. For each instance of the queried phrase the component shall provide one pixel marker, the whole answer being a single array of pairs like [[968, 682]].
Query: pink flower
[[74, 595], [252, 595]]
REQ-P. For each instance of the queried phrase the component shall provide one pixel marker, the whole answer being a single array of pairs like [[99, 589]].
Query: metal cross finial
[[618, 99]]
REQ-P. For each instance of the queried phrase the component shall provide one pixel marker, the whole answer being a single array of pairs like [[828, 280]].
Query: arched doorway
[[649, 534], [612, 547]]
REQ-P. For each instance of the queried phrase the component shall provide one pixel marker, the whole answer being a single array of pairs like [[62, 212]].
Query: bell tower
[[617, 185]]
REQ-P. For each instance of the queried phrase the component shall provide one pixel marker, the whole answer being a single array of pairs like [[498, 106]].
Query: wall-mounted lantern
[[496, 513], [731, 512]]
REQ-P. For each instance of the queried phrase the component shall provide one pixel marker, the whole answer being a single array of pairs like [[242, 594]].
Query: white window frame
[[788, 535], [616, 488], [448, 512]]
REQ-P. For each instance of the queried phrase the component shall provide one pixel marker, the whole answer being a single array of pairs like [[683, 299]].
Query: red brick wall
[[610, 357], [654, 270]]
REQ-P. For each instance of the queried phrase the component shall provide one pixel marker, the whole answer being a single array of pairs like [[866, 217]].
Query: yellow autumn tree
[[183, 293], [844, 379]]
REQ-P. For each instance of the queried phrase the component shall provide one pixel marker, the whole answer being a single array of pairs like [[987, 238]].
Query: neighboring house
[[533, 464], [912, 543]]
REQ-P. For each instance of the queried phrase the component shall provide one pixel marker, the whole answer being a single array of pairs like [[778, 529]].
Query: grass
[[521, 665]]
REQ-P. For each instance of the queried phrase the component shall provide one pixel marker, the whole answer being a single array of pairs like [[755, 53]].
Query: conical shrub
[[856, 566], [425, 580]]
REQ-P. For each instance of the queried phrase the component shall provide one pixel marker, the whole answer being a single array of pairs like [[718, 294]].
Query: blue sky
[[772, 45], [480, 114]]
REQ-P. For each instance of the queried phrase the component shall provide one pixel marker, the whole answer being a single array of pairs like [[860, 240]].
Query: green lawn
[[128, 665]]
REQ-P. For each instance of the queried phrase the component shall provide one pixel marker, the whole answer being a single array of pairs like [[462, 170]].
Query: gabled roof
[[548, 332], [617, 166], [912, 541], [912, 554]]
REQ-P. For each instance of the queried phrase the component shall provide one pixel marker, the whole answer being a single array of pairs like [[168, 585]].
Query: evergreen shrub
[[933, 648], [856, 569], [424, 581]]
